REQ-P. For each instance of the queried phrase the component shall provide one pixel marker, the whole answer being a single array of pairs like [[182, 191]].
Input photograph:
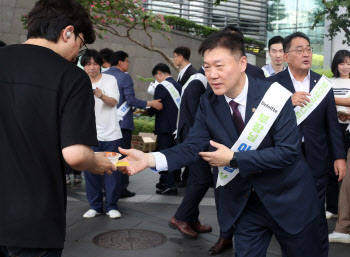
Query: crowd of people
[[272, 141]]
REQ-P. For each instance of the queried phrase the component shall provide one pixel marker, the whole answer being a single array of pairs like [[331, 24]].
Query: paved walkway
[[148, 211]]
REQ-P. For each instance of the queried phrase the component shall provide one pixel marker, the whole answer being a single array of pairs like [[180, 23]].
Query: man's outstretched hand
[[219, 158], [138, 161]]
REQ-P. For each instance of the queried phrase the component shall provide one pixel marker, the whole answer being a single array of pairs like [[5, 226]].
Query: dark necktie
[[237, 118]]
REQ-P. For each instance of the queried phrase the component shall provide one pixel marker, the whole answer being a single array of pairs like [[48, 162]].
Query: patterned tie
[[237, 118]]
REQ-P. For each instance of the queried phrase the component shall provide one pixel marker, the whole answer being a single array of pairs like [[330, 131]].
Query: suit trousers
[[255, 227], [223, 234], [199, 181], [94, 183], [333, 184], [166, 141], [332, 194], [125, 142], [343, 222], [321, 187]]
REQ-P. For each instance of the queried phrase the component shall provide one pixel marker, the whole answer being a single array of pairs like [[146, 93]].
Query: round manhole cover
[[129, 239]]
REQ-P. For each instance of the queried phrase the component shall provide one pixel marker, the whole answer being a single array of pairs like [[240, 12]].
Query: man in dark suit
[[273, 185], [120, 66], [182, 61], [200, 177], [321, 126], [225, 240], [169, 91]]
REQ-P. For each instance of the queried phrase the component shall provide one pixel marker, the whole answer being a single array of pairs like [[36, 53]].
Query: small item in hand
[[122, 164], [113, 157]]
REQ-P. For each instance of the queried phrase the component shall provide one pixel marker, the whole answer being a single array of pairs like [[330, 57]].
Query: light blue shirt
[[269, 71]]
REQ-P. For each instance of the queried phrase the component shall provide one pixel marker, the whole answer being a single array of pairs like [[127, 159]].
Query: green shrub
[[143, 124], [328, 73]]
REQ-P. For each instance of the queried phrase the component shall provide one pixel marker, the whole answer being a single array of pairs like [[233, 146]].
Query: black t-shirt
[[46, 104]]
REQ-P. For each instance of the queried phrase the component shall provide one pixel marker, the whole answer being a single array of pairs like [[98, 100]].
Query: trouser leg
[[125, 142]]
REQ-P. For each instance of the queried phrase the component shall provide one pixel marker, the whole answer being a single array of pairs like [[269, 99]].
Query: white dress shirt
[[241, 99], [182, 72], [301, 86]]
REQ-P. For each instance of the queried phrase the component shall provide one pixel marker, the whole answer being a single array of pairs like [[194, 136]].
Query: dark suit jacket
[[188, 73], [319, 129], [166, 118], [284, 184], [255, 71], [127, 93], [200, 171], [189, 105]]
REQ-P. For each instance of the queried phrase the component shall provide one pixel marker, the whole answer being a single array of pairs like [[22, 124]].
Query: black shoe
[[160, 186], [127, 194], [167, 191]]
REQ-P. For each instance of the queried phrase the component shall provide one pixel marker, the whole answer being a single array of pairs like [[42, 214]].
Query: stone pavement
[[150, 212]]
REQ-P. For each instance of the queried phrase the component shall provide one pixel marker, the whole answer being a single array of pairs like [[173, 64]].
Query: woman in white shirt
[[341, 83]]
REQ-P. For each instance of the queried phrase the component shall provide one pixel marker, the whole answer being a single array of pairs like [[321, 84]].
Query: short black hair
[[107, 54], [91, 53], [184, 51], [287, 41], [339, 57], [49, 17], [2, 43], [232, 28], [275, 40], [231, 41], [118, 56], [162, 67]]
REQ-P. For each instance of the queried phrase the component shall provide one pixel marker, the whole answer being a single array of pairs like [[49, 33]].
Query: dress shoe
[[182, 226], [221, 245], [167, 191], [160, 186], [199, 228], [127, 194]]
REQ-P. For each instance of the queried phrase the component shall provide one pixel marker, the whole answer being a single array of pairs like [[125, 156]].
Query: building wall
[[249, 15], [288, 16], [331, 46]]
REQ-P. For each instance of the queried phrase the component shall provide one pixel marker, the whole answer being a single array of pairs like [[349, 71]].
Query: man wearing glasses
[[46, 118], [320, 131]]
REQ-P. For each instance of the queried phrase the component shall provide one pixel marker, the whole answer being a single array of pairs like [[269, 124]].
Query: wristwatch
[[233, 162]]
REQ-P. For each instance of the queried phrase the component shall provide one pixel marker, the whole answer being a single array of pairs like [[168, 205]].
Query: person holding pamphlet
[[106, 94]]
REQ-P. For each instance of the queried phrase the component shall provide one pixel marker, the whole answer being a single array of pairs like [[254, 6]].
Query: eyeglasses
[[82, 51], [299, 51]]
